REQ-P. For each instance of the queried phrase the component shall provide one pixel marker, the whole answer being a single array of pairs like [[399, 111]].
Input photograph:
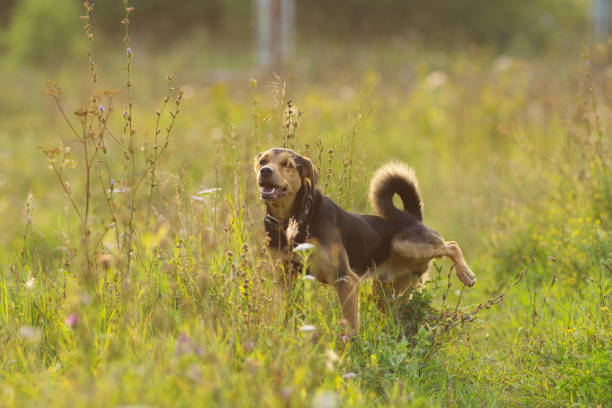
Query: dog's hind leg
[[427, 245], [464, 273]]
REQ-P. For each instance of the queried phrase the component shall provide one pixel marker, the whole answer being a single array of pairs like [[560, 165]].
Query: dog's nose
[[265, 171]]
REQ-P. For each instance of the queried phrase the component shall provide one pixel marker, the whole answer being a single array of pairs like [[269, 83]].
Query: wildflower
[[196, 198], [194, 373], [349, 375], [309, 278], [216, 134], [72, 320], [305, 246], [128, 51], [85, 299], [331, 359], [118, 190], [436, 79], [252, 364], [185, 346], [286, 393], [209, 191], [307, 328], [105, 260], [325, 399], [29, 333], [502, 63], [30, 283], [101, 108]]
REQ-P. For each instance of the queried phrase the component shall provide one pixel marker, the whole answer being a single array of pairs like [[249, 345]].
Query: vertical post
[[287, 28], [275, 32], [276, 46], [602, 19]]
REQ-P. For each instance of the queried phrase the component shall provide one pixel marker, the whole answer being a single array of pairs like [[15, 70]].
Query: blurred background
[[241, 33], [424, 77]]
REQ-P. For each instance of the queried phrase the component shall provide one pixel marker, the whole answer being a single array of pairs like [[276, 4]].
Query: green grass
[[513, 161]]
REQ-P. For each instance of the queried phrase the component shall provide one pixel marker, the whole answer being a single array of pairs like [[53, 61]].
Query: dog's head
[[281, 173]]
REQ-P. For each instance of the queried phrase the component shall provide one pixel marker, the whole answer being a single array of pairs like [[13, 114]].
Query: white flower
[[305, 246], [30, 333], [436, 79], [307, 328], [331, 355], [349, 375], [209, 191], [325, 399], [30, 283], [331, 359], [309, 277], [118, 190], [196, 198]]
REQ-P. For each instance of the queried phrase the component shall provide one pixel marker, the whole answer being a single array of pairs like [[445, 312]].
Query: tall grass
[[138, 274]]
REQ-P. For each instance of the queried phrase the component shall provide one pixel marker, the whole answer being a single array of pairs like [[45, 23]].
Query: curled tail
[[395, 178]]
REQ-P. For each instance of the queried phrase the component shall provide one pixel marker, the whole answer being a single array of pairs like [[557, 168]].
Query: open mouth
[[271, 192]]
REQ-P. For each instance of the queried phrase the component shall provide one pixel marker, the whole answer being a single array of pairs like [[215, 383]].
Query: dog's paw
[[465, 275]]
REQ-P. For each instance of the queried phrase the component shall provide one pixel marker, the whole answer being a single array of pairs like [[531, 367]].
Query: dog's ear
[[256, 161], [308, 171]]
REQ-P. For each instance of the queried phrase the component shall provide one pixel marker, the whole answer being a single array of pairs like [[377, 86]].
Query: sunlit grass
[[509, 167]]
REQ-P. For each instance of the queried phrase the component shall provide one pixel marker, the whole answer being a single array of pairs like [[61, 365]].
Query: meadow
[[133, 269]]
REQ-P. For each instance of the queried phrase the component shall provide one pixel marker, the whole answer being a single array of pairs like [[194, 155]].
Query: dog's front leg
[[348, 294], [332, 267]]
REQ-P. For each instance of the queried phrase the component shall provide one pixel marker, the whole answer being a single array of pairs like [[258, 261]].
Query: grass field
[[133, 271]]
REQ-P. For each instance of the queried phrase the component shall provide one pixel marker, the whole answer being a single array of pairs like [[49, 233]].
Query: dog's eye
[[262, 162]]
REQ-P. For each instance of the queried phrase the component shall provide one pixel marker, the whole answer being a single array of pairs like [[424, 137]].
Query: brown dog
[[394, 247]]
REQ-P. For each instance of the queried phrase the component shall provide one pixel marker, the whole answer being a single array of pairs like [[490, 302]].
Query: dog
[[394, 246]]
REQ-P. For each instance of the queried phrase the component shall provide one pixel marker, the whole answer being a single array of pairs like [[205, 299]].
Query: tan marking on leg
[[348, 294], [331, 266], [425, 251], [464, 273]]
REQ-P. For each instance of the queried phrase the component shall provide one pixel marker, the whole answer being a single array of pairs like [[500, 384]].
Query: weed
[[143, 279]]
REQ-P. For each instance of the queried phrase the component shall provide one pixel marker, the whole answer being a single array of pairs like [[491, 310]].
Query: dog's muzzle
[[268, 190]]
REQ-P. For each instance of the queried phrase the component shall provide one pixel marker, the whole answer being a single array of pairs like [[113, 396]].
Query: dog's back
[[367, 238]]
